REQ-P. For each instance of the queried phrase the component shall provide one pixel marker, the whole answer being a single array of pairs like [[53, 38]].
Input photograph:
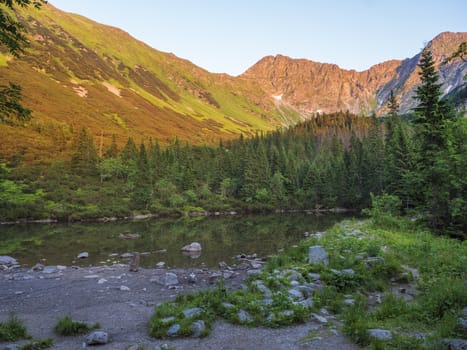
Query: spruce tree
[[432, 117]]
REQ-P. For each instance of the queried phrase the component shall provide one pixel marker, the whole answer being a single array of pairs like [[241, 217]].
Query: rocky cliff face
[[319, 87]]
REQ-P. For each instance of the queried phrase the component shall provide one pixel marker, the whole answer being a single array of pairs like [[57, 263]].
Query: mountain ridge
[[79, 73]]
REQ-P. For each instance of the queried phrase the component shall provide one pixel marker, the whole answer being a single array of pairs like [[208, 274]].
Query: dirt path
[[122, 302]]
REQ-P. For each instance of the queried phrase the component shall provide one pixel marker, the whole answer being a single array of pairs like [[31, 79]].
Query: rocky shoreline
[[123, 302]]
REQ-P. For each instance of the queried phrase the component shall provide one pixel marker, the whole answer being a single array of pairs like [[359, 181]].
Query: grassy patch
[[39, 344], [66, 326], [12, 329]]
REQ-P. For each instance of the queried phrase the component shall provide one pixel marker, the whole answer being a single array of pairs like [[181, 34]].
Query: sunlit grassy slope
[[78, 73]]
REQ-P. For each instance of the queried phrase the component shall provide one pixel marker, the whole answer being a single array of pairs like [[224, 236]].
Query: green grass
[[438, 265], [13, 329], [39, 344], [66, 327]]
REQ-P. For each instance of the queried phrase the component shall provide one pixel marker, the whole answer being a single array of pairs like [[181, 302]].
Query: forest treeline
[[327, 161]]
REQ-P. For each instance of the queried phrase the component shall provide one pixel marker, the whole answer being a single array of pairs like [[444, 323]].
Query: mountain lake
[[160, 240]]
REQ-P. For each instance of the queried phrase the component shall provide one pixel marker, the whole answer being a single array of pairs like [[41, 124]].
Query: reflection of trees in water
[[221, 238]]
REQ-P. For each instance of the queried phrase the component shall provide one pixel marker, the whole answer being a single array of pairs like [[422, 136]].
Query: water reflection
[[221, 238]]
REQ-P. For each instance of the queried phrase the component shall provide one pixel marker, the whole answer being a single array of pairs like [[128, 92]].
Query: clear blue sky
[[229, 36]]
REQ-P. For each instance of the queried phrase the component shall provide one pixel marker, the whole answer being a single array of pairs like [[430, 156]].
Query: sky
[[229, 36]]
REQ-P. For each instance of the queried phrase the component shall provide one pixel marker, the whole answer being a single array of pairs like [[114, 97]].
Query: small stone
[[253, 272], [295, 294], [227, 305], [173, 330], [168, 320], [223, 265], [319, 318], [198, 327], [314, 276], [160, 264], [169, 279], [50, 269], [124, 288], [37, 267], [380, 334], [192, 312], [317, 255], [244, 316], [349, 301], [83, 255], [91, 276], [97, 338], [126, 255], [256, 265], [228, 274], [373, 261], [287, 313], [214, 278], [101, 281], [192, 278], [307, 303], [11, 347]]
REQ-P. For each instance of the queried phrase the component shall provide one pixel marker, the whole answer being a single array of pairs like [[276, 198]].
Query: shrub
[[40, 344], [12, 330], [66, 326]]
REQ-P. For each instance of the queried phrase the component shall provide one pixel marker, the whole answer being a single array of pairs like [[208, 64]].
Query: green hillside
[[78, 73]]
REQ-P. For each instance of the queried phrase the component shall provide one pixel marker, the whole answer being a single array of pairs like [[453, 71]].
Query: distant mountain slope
[[320, 87], [80, 73]]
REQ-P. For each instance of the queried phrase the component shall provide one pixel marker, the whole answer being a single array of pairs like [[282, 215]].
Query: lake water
[[222, 238]]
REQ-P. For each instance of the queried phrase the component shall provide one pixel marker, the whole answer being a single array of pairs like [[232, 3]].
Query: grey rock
[[228, 274], [380, 334], [83, 255], [169, 279], [314, 276], [262, 288], [160, 264], [306, 289], [287, 313], [307, 303], [227, 305], [126, 255], [7, 260], [463, 323], [455, 344], [349, 301], [192, 247], [11, 347], [37, 267], [295, 294], [291, 275], [317, 255], [256, 265], [266, 301], [244, 317], [253, 272], [173, 330], [97, 338], [50, 269], [198, 327], [215, 278], [319, 318], [192, 312], [167, 320], [350, 272], [192, 278]]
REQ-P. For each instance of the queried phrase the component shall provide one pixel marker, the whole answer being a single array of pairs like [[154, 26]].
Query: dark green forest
[[329, 161]]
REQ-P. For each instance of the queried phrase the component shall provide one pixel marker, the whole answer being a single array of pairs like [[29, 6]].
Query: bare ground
[[96, 295]]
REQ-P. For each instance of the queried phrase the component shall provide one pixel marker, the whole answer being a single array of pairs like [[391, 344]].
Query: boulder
[[192, 247], [317, 255], [7, 260], [97, 338]]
